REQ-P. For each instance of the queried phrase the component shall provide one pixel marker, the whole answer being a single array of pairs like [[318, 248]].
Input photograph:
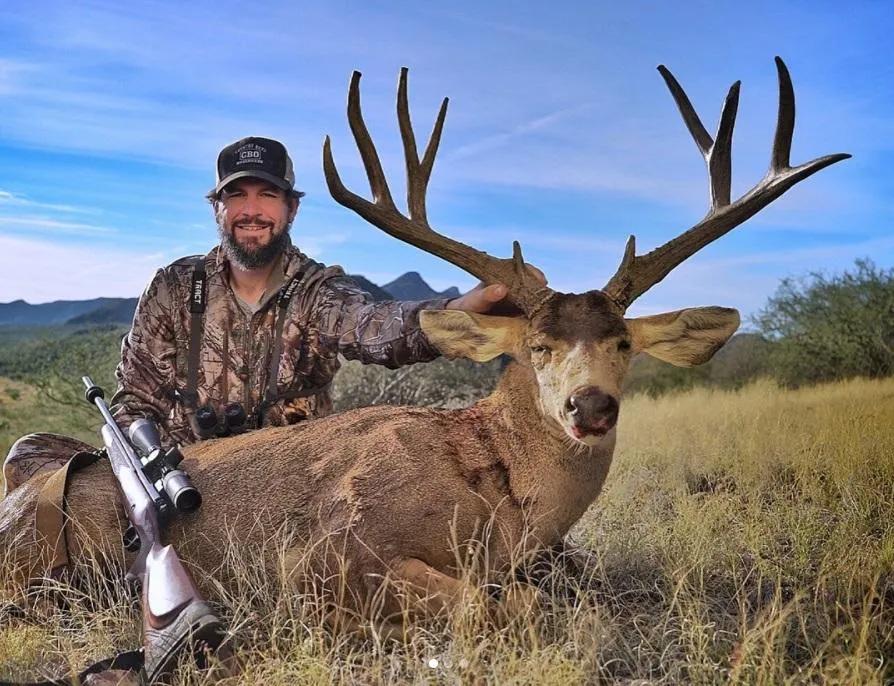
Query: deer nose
[[592, 411]]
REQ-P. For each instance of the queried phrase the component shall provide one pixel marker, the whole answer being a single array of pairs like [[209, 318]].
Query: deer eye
[[624, 345]]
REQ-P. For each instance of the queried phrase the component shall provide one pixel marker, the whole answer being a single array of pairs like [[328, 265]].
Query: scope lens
[[181, 491], [188, 500]]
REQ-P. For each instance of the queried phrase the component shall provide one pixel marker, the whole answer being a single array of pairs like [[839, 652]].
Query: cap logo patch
[[250, 153]]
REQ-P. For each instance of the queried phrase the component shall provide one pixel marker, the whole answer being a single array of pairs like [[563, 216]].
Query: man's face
[[253, 220]]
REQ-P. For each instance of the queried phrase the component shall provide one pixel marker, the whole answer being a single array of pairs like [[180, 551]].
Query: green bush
[[831, 327]]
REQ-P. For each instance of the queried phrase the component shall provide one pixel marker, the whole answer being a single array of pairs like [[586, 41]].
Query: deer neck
[[555, 478]]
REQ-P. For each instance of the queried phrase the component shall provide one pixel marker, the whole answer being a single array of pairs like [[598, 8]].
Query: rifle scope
[[161, 466]]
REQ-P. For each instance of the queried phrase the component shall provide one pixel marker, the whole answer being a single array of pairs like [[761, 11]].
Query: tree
[[832, 327]]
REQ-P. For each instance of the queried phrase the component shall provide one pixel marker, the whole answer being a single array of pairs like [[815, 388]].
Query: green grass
[[742, 537]]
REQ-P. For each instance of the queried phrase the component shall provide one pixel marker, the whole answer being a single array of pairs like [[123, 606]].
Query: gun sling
[[51, 516]]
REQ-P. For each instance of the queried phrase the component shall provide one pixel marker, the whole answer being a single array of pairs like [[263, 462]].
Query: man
[[248, 335]]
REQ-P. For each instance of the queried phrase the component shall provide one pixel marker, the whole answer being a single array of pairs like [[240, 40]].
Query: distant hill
[[410, 286], [110, 313], [20, 313], [377, 293]]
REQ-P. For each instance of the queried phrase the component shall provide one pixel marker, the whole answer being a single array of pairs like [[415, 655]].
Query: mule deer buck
[[397, 485]]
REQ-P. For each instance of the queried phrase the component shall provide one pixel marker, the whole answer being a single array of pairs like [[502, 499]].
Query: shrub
[[441, 383], [832, 327]]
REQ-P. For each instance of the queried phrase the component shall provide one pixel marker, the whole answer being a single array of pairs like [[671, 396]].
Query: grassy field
[[742, 537], [25, 408]]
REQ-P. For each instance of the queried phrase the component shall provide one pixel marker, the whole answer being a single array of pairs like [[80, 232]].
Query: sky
[[560, 134]]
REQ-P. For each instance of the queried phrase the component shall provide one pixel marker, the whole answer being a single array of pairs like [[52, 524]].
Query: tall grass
[[742, 537]]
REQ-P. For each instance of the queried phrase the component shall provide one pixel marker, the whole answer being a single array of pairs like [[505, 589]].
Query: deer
[[402, 489]]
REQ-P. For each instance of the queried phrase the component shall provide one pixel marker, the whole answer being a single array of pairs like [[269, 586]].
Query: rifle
[[175, 616]]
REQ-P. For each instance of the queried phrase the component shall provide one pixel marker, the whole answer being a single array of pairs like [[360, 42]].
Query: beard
[[253, 256]]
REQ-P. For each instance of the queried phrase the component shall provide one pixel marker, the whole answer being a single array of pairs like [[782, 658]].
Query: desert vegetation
[[825, 327], [743, 536]]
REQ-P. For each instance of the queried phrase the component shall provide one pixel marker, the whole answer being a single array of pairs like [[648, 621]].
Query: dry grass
[[743, 537]]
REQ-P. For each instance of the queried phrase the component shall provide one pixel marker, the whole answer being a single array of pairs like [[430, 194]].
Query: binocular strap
[[197, 298], [282, 305]]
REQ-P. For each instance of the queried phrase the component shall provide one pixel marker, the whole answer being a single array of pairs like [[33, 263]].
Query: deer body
[[400, 482]]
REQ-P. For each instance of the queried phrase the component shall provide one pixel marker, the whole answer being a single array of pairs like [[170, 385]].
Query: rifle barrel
[[94, 394]]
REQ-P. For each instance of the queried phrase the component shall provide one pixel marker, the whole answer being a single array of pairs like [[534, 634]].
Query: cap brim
[[255, 174]]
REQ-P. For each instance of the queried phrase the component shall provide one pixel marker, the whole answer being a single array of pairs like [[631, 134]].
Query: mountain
[[371, 288], [21, 313], [411, 286], [111, 313]]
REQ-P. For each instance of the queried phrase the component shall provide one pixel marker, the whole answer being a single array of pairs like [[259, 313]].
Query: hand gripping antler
[[638, 273], [382, 212]]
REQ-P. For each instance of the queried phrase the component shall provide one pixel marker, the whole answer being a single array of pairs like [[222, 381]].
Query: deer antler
[[383, 213], [638, 273]]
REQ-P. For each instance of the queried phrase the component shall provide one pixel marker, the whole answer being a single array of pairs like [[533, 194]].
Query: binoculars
[[209, 423]]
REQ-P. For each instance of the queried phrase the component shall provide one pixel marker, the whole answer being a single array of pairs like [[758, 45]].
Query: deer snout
[[592, 411]]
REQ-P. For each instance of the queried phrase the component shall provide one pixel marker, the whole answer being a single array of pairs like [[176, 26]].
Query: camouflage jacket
[[328, 314]]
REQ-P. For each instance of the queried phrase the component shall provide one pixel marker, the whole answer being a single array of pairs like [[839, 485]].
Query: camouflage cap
[[262, 158]]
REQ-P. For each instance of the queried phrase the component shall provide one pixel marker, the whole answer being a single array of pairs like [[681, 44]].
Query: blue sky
[[560, 134]]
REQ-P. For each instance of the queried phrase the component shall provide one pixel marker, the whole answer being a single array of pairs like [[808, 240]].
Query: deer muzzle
[[593, 412]]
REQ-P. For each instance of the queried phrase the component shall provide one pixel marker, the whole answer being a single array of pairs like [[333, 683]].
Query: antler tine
[[415, 229], [785, 120], [717, 153], [720, 159], [418, 174], [378, 185], [637, 274], [690, 117]]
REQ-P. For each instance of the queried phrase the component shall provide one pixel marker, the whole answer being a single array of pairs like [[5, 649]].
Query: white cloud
[[42, 271], [524, 128], [498, 240], [10, 199], [12, 73], [54, 226], [795, 258]]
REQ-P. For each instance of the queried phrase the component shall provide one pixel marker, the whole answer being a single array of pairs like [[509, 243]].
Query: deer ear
[[479, 337], [686, 337]]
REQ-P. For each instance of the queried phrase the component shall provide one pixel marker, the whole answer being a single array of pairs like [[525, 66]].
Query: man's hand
[[491, 299], [480, 299]]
